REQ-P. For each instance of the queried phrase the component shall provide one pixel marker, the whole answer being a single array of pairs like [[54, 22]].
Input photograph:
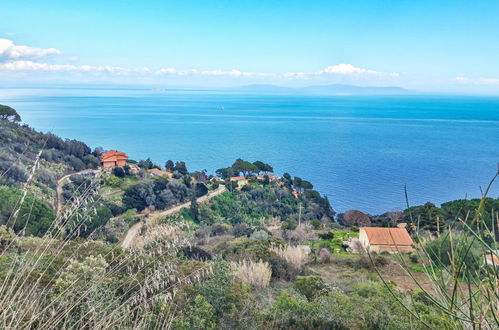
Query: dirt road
[[154, 217]]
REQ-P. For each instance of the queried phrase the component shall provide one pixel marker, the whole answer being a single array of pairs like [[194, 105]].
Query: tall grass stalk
[[53, 285], [463, 287]]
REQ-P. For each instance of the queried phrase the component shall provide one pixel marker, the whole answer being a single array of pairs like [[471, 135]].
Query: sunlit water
[[359, 151]]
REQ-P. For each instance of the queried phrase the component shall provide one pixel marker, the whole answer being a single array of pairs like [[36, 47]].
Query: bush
[[201, 189], [316, 224], [113, 181], [260, 234], [326, 235], [200, 316], [289, 225], [441, 250], [414, 258], [220, 229], [257, 274], [242, 229], [281, 269], [119, 172], [196, 253], [325, 256], [296, 256], [309, 286], [34, 216]]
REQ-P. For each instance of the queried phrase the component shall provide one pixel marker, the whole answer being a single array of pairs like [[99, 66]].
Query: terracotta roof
[[492, 259], [237, 178], [114, 153], [387, 236]]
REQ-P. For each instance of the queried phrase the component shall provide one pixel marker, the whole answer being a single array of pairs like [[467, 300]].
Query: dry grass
[[257, 274], [294, 255], [47, 285]]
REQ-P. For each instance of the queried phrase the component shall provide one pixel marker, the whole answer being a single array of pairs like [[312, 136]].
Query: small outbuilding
[[380, 239], [240, 180], [113, 158]]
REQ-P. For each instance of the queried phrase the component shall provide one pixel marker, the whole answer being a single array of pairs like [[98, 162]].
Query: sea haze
[[360, 151]]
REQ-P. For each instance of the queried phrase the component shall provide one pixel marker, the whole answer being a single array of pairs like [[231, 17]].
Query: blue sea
[[360, 151]]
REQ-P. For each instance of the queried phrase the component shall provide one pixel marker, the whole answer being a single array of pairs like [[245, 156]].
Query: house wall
[[121, 162], [391, 248], [363, 238], [109, 164]]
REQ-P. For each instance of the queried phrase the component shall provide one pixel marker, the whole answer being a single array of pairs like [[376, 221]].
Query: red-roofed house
[[379, 239], [113, 158], [492, 259], [241, 181]]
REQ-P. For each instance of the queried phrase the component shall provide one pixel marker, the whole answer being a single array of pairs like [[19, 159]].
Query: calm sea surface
[[359, 151]]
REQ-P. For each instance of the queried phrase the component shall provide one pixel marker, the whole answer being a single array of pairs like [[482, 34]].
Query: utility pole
[[299, 215]]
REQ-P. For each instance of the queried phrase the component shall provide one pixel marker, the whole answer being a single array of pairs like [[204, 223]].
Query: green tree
[[306, 185], [170, 166], [201, 189], [194, 208], [427, 216], [225, 173], [181, 168], [200, 316], [7, 113], [33, 215], [263, 167], [245, 167]]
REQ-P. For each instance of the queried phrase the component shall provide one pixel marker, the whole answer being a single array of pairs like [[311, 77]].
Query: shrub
[[414, 258], [442, 250], [33, 216], [242, 229], [200, 316], [326, 235], [196, 253], [289, 225], [325, 256], [219, 229], [281, 269], [119, 172], [368, 263], [113, 181], [294, 255], [260, 234], [257, 274], [201, 189], [309, 286], [316, 223]]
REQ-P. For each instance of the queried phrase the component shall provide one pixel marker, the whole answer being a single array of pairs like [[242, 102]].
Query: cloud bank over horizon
[[26, 63], [18, 62]]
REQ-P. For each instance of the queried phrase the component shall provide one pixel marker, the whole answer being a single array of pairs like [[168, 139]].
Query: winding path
[[154, 217]]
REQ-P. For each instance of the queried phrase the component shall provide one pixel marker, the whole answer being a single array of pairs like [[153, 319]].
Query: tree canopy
[[8, 113], [245, 167], [263, 167]]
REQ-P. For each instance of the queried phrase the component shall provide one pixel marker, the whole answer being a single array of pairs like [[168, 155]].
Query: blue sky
[[426, 45]]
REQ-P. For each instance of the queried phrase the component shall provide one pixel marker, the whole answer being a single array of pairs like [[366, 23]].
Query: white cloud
[[10, 51], [214, 73], [45, 67], [340, 70], [478, 81], [14, 58]]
